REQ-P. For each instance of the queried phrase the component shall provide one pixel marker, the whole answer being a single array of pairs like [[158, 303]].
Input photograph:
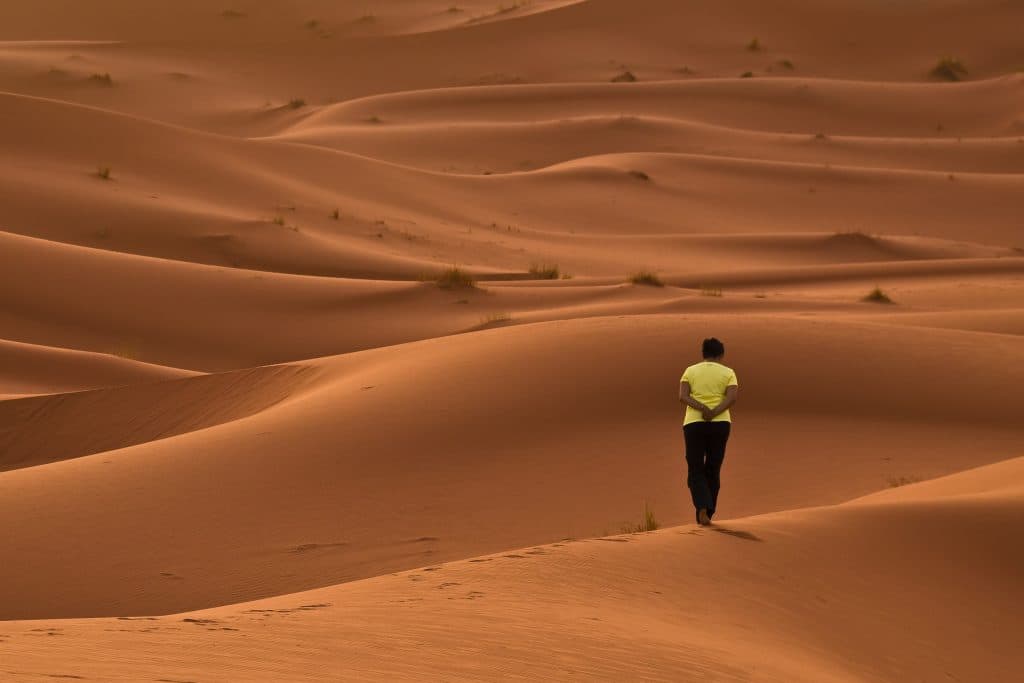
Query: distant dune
[[341, 340]]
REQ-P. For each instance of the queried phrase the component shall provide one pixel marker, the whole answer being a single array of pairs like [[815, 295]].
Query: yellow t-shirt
[[708, 381]]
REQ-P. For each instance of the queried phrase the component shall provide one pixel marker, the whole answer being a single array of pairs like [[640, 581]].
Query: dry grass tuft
[[755, 45], [103, 173], [101, 79], [297, 103], [896, 482], [648, 523], [709, 290], [949, 69], [625, 77], [456, 278], [545, 271], [639, 175], [645, 277], [877, 296]]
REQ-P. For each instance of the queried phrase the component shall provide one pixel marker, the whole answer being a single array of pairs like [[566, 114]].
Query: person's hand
[[708, 414]]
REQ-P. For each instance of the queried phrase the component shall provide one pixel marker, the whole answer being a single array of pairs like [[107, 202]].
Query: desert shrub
[[103, 172], [495, 318], [645, 277], [709, 290], [297, 103], [786, 64], [101, 79], [949, 69], [648, 523], [747, 74], [896, 482], [278, 220], [545, 271], [625, 77], [335, 215], [877, 296], [455, 278], [754, 45], [639, 175]]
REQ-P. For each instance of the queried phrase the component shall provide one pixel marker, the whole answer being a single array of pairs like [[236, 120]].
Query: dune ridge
[[249, 431]]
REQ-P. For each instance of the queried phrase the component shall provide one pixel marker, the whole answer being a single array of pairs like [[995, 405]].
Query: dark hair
[[713, 348]]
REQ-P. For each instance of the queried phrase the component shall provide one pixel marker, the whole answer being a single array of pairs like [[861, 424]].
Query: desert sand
[[246, 434]]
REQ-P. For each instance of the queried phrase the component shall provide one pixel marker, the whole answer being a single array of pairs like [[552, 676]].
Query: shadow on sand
[[745, 535]]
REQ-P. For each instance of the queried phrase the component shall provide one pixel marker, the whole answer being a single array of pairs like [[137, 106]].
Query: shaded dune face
[[246, 402]]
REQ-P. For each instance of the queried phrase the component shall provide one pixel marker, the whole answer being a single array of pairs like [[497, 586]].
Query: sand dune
[[675, 604], [229, 373]]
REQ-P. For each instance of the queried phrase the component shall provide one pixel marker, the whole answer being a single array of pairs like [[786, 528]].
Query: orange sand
[[245, 436]]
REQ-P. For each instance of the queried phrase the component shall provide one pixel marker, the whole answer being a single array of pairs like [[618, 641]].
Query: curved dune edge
[[669, 605], [33, 369], [400, 456]]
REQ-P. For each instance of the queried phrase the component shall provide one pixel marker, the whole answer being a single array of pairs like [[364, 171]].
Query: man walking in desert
[[708, 389]]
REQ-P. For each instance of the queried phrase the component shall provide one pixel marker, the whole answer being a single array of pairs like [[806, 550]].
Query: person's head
[[712, 349]]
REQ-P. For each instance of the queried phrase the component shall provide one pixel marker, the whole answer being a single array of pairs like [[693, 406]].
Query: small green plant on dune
[[101, 79], [754, 45], [877, 296], [103, 172], [545, 271], [455, 278], [646, 277], [648, 522], [949, 69], [297, 103]]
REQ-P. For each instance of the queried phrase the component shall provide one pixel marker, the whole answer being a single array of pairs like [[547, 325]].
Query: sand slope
[[744, 601], [228, 372]]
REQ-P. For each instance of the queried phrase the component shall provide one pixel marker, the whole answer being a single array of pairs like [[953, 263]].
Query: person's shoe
[[702, 517]]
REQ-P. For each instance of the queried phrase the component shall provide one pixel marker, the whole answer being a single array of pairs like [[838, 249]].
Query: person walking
[[708, 390]]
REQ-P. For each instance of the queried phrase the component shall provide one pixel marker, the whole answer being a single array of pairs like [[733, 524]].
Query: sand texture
[[249, 433]]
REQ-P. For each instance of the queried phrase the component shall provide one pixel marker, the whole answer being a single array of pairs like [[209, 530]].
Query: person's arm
[[728, 402], [687, 399]]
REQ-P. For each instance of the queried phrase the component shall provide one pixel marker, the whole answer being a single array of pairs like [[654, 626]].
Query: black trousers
[[705, 451]]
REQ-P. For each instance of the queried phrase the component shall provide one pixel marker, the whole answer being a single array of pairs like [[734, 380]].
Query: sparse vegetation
[[456, 278], [103, 173], [297, 103], [645, 277], [545, 271], [366, 19], [312, 24], [877, 296], [101, 79], [335, 215], [786, 64], [625, 77], [686, 71], [949, 69], [747, 74], [278, 220], [754, 45], [896, 482], [639, 175], [820, 136], [710, 290], [374, 119], [495, 318], [648, 523]]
